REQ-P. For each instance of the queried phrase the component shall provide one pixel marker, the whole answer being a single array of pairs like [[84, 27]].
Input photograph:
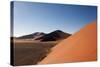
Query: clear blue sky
[[30, 17]]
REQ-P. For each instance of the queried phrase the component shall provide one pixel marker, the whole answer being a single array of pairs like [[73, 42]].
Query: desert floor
[[29, 52]]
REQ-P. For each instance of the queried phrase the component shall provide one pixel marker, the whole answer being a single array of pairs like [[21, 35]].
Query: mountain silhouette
[[31, 36], [54, 36], [40, 36]]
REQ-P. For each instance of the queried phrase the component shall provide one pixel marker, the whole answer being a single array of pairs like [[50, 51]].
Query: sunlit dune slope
[[81, 46]]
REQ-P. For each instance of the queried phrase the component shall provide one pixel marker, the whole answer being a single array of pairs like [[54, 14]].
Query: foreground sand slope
[[81, 46]]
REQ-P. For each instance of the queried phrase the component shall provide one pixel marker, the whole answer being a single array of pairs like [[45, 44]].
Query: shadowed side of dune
[[81, 46]]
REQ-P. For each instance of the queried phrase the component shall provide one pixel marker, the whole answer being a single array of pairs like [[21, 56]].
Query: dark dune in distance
[[53, 36], [30, 36]]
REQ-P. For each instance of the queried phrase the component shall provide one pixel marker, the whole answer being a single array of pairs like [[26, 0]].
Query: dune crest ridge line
[[81, 46]]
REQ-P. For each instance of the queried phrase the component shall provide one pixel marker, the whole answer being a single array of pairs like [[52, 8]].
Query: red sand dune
[[81, 46]]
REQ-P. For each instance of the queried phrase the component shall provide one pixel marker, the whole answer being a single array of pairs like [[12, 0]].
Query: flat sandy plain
[[30, 52]]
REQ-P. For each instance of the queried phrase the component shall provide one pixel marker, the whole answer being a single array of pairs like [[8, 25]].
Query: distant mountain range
[[53, 36], [31, 36]]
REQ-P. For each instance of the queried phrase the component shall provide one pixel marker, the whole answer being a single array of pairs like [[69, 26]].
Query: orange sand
[[81, 46]]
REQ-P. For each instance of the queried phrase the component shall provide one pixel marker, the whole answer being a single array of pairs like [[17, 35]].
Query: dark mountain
[[54, 36], [40, 36], [32, 36]]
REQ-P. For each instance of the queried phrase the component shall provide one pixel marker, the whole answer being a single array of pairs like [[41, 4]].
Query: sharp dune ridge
[[81, 46]]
